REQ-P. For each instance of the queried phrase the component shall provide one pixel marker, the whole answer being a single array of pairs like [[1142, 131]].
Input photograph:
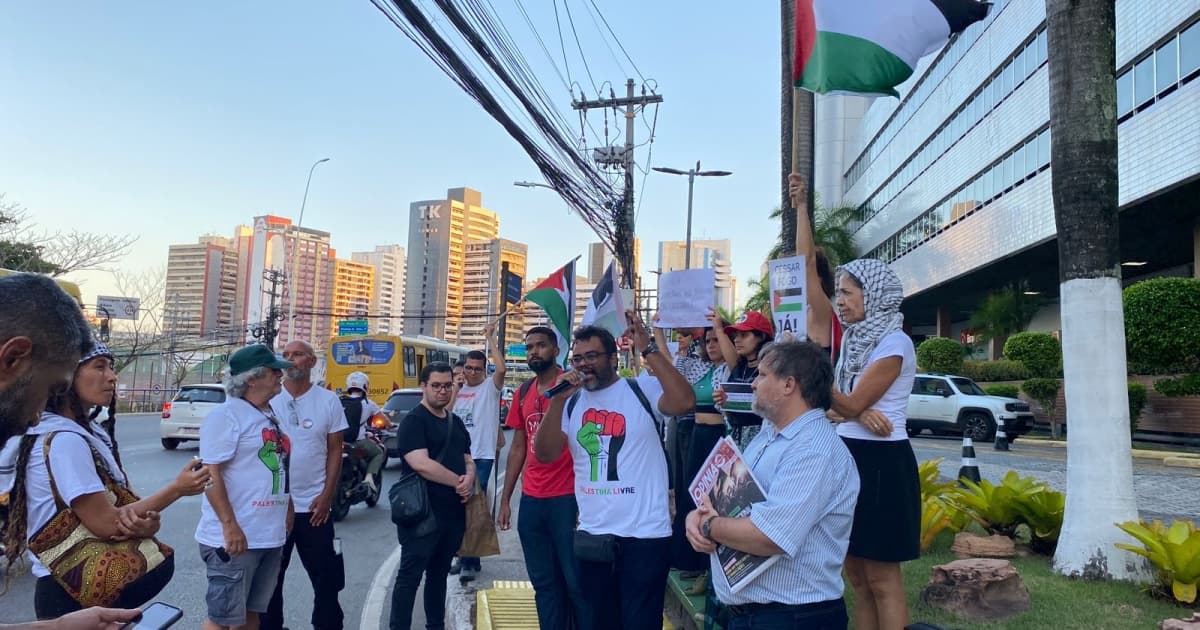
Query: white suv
[[182, 416], [955, 404]]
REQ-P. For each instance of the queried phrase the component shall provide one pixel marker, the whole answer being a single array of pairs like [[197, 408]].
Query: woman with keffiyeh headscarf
[[872, 382]]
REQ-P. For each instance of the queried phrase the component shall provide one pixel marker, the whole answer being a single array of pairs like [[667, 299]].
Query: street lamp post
[[692, 174], [296, 256]]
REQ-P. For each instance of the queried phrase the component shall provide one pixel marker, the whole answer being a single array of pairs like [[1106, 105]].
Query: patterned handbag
[[92, 570]]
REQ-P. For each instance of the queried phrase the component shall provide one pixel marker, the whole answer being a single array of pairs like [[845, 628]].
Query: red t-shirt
[[542, 481]]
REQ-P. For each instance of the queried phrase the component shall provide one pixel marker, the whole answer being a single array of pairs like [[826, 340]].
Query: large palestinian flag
[[871, 46], [556, 296]]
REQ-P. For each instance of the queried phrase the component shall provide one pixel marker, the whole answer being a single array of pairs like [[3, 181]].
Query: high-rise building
[[715, 255], [389, 264], [438, 233], [953, 179], [201, 286], [352, 290], [483, 292], [277, 244], [599, 257]]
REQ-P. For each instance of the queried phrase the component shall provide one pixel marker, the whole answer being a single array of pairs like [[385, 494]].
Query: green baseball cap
[[255, 356]]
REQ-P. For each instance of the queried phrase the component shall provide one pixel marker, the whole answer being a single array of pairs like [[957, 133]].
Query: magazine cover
[[726, 479]]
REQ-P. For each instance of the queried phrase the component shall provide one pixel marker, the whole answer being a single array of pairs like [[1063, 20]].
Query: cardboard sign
[[789, 300], [685, 297]]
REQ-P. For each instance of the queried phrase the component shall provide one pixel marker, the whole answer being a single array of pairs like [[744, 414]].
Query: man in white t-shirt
[[246, 515], [612, 428], [313, 419], [477, 402]]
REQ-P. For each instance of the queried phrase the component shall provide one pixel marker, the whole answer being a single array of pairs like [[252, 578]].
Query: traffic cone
[[969, 469], [1001, 443]]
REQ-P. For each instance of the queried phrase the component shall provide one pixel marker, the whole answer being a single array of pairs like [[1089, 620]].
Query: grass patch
[[1058, 603]]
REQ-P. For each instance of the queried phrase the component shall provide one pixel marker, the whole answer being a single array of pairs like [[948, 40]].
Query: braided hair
[[16, 530]]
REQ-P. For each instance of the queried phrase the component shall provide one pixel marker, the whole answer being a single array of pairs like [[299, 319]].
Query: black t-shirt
[[420, 429]]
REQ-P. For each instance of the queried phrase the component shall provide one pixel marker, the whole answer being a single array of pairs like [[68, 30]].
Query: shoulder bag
[[410, 495], [92, 570]]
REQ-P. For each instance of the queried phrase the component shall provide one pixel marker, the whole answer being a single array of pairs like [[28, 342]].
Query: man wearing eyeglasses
[[613, 429], [477, 402], [313, 420]]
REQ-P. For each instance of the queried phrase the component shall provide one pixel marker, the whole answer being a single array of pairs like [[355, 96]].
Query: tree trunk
[[787, 43], [1083, 159]]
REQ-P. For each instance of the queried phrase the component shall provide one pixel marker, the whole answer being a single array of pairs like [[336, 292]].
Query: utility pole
[[623, 158], [268, 330]]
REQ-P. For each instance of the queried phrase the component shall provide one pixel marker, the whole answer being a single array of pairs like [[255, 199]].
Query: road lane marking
[[372, 610]]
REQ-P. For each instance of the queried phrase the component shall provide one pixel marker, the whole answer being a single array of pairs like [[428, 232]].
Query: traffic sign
[[118, 307], [352, 327], [516, 351]]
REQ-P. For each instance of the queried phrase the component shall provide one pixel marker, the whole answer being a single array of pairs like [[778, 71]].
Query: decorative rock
[[968, 545], [1181, 624], [977, 589]]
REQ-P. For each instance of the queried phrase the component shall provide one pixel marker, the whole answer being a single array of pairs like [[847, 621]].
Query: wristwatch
[[650, 349], [706, 527]]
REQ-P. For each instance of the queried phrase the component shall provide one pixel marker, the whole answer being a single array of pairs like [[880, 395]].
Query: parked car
[[506, 396], [399, 403], [183, 414], [946, 404]]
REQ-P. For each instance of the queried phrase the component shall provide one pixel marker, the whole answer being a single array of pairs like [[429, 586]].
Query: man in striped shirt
[[811, 487]]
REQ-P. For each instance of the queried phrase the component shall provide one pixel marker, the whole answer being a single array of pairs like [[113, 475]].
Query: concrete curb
[[460, 604], [1168, 458]]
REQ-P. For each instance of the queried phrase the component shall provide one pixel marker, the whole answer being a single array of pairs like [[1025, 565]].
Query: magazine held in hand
[[732, 489]]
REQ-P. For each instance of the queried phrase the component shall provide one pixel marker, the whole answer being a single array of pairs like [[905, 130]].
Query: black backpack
[[353, 408]]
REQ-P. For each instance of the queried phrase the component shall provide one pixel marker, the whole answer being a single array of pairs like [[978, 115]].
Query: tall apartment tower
[[483, 293], [275, 243], [352, 291], [438, 233], [201, 286], [715, 255], [389, 264]]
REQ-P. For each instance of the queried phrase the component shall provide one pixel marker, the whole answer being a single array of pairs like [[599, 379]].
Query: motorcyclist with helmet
[[359, 411]]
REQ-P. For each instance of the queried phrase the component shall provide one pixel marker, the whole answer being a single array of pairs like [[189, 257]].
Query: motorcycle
[[352, 483]]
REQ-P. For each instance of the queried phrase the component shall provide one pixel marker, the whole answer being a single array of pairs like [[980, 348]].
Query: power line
[[582, 56], [542, 43], [605, 40], [618, 41], [561, 45]]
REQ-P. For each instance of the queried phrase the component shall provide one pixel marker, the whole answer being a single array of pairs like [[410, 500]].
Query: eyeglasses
[[587, 357], [442, 387]]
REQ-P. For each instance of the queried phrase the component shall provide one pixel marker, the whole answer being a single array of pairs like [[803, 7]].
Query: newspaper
[[727, 481]]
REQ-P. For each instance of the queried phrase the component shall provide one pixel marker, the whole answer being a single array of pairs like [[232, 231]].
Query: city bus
[[71, 288], [390, 362]]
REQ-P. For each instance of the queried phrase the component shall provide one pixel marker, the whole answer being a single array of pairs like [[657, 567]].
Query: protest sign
[[789, 303], [685, 298]]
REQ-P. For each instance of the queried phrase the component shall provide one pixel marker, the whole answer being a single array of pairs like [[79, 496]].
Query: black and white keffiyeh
[[882, 294]]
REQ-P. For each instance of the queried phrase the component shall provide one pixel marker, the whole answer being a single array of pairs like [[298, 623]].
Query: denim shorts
[[243, 583]]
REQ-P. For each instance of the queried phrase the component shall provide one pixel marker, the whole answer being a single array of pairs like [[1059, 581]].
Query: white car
[[956, 405], [182, 416]]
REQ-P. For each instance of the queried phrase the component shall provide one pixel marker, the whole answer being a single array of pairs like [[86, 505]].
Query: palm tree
[[1083, 160], [831, 232], [760, 299], [787, 27]]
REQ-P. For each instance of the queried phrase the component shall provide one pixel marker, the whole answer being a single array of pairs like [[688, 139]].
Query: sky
[[172, 120]]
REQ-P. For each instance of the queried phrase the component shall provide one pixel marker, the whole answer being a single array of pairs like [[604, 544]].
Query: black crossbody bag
[[410, 494]]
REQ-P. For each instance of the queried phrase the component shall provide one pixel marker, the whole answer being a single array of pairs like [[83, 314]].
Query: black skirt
[[887, 518]]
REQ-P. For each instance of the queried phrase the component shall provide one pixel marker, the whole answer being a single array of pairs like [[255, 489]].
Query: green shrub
[[990, 371], [1015, 501], [1162, 324], [1137, 400], [1174, 551], [1039, 352], [940, 355], [1044, 391], [1183, 386], [1005, 391]]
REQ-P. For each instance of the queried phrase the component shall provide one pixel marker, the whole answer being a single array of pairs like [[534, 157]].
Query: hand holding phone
[[156, 616]]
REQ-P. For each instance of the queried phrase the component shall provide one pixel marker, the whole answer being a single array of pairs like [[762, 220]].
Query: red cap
[[751, 321]]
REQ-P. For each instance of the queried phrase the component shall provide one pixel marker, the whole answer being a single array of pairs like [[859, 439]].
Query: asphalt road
[[368, 540]]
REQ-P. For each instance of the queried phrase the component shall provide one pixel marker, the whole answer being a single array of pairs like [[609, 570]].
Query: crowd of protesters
[[596, 455]]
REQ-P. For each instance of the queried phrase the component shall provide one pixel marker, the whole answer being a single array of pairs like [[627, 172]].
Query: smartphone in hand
[[156, 616]]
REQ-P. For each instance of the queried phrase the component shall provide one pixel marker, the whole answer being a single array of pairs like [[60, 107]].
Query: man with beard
[[434, 444], [312, 418], [548, 508], [42, 336], [613, 429], [811, 487]]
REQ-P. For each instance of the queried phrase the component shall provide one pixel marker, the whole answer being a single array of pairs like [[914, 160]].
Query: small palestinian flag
[[869, 47], [787, 301]]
